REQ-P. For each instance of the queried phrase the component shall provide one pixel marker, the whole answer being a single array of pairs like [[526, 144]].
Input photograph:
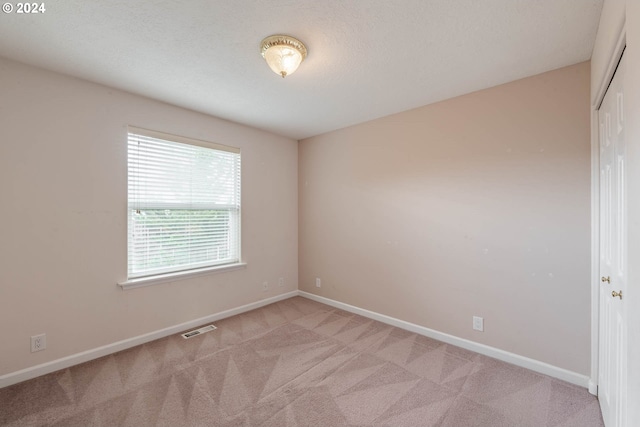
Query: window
[[183, 204]]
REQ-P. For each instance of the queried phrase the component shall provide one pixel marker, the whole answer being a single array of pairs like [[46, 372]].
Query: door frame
[[596, 100]]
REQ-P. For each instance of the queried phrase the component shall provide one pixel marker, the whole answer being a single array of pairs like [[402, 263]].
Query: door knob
[[606, 279], [616, 294]]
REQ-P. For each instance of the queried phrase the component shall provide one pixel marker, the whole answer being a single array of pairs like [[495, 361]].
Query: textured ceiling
[[367, 58]]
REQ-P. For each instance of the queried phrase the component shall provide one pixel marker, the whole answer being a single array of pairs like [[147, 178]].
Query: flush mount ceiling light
[[283, 53]]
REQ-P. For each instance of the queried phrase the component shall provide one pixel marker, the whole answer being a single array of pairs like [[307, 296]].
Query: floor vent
[[199, 331]]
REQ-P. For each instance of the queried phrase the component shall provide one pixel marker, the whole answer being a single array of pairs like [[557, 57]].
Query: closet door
[[613, 254]]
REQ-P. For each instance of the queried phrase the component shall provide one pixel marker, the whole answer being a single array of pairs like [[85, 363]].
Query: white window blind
[[183, 203]]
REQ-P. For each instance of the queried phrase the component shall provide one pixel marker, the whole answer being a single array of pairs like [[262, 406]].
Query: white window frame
[[172, 274]]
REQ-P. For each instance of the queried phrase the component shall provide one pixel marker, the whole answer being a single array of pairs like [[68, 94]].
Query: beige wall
[[478, 205], [617, 14], [473, 206], [63, 192]]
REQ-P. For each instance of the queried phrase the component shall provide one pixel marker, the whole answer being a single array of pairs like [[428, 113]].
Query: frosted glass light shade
[[284, 54], [283, 60]]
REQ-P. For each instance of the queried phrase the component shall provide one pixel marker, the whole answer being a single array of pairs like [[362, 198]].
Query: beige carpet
[[297, 363]]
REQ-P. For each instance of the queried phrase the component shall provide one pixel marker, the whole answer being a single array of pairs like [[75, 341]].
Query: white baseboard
[[85, 356], [496, 353]]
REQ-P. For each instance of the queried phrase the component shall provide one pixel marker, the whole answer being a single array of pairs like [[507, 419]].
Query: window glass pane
[[184, 206]]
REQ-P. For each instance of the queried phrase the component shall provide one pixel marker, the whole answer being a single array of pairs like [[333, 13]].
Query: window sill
[[171, 277]]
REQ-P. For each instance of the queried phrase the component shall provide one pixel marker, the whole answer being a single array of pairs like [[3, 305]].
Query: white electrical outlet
[[265, 286], [318, 282], [281, 282], [38, 342], [478, 323]]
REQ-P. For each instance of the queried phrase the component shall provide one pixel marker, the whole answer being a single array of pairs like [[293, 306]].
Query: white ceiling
[[367, 58]]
